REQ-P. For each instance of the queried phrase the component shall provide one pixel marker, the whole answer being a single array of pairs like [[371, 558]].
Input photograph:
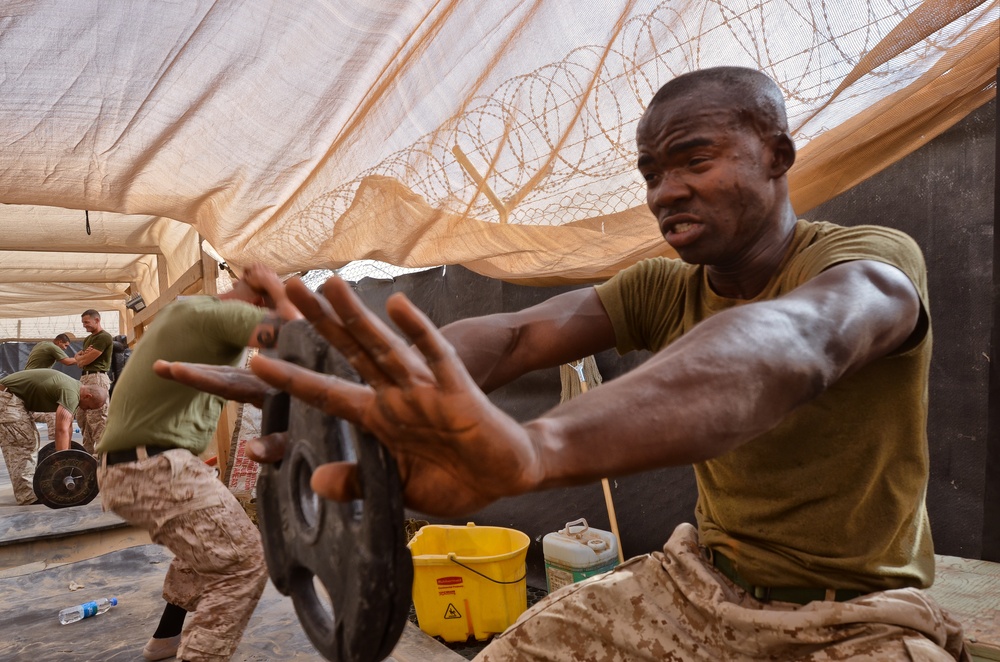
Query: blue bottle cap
[[114, 602]]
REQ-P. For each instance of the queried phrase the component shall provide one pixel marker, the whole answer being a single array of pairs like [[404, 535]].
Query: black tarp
[[13, 356]]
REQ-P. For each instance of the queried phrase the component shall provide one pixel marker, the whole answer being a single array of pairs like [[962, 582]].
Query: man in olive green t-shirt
[[47, 353], [38, 390], [94, 361], [151, 475]]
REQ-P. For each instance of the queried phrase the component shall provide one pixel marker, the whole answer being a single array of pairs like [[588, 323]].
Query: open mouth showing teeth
[[681, 227]]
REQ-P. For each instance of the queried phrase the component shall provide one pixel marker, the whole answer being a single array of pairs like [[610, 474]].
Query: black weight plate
[[66, 478], [50, 448], [357, 551]]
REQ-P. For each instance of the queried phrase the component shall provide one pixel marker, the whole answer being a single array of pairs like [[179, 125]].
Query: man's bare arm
[[64, 428], [496, 349], [87, 356]]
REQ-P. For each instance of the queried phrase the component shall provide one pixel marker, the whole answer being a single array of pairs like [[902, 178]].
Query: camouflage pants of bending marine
[[676, 606], [19, 440], [218, 570], [49, 418], [93, 421]]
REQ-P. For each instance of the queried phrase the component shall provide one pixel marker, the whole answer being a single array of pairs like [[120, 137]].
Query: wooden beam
[[162, 277], [89, 248], [210, 273], [187, 279], [43, 276]]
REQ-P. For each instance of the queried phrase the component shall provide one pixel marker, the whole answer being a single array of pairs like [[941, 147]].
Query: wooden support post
[[222, 438], [605, 485], [162, 276], [209, 273]]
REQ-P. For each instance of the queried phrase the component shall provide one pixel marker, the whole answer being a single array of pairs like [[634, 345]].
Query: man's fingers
[[269, 448], [449, 371], [337, 481], [331, 394], [381, 344], [325, 320], [225, 381]]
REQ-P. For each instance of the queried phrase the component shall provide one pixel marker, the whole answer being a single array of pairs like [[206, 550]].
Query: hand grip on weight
[[354, 553]]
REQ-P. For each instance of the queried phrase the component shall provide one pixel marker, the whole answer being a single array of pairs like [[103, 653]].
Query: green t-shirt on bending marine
[[43, 389], [833, 497], [103, 342], [44, 355], [149, 410]]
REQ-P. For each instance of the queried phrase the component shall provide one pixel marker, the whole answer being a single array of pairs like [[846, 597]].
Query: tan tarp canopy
[[496, 135]]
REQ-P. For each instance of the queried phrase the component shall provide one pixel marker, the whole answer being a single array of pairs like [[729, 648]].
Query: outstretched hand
[[455, 450]]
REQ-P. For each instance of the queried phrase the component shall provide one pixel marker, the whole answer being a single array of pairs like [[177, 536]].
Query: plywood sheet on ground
[[30, 630], [23, 523], [970, 590]]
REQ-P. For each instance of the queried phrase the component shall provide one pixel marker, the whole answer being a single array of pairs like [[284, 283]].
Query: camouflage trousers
[[218, 570], [49, 418], [19, 440], [675, 605], [93, 421]]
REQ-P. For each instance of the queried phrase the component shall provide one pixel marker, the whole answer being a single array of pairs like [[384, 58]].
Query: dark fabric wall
[[13, 356], [942, 195]]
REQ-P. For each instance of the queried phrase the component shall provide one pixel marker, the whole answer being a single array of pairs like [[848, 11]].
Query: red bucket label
[[449, 581]]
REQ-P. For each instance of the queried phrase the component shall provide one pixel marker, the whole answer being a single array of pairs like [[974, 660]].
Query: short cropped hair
[[62, 337], [90, 312], [756, 99]]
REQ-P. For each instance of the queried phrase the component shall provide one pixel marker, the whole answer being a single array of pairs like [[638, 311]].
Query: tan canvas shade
[[499, 136]]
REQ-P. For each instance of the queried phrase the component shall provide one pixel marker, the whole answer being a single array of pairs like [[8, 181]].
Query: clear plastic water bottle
[[86, 610]]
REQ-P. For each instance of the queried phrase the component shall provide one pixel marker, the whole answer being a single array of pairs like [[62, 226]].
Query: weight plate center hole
[[308, 500]]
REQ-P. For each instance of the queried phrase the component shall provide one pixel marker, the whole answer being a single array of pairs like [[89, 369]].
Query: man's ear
[[783, 150]]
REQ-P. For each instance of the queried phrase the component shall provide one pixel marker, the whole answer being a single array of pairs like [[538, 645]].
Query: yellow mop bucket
[[468, 580]]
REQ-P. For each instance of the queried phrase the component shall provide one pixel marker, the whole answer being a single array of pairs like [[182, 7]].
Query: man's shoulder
[[101, 339], [662, 265], [825, 229]]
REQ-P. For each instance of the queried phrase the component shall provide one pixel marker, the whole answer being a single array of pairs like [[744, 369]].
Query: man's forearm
[[64, 428], [86, 357], [484, 345], [497, 349]]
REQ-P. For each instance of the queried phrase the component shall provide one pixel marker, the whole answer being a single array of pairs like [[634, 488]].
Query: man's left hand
[[222, 380]]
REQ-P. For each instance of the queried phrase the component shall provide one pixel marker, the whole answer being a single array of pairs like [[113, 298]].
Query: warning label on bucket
[[451, 612]]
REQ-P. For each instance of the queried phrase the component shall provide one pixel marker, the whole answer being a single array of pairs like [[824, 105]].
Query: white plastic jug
[[577, 552]]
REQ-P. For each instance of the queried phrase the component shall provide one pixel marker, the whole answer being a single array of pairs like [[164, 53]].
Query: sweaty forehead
[[669, 121]]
